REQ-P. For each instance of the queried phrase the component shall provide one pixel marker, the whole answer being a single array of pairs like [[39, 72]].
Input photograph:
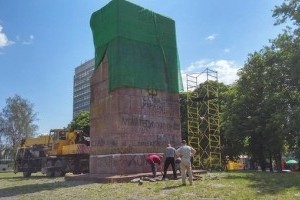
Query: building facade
[[81, 87]]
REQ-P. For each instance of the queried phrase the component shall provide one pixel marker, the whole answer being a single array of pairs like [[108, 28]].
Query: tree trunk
[[270, 162]]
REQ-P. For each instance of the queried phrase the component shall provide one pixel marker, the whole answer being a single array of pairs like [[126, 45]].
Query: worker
[[169, 159], [154, 160], [186, 152]]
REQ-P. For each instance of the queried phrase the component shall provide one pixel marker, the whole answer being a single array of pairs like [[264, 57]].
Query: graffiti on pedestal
[[121, 163], [113, 150], [119, 145], [153, 105], [158, 140], [148, 125], [105, 141], [148, 129], [105, 162], [131, 160]]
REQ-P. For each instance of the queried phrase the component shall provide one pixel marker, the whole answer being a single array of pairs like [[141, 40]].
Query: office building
[[81, 88]]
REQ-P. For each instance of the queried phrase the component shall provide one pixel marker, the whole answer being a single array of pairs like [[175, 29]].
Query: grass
[[223, 185]]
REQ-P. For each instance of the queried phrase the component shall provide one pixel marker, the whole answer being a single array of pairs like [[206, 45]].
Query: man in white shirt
[[185, 152]]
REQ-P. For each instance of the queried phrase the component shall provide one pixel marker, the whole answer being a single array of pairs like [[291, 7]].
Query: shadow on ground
[[172, 187], [22, 178], [268, 182], [35, 188]]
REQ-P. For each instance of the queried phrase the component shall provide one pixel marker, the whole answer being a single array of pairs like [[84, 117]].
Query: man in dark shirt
[[169, 159], [154, 160]]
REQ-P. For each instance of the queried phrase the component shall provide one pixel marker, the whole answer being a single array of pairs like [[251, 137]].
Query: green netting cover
[[140, 46]]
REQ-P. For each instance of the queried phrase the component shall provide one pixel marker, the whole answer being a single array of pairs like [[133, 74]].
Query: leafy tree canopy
[[81, 122], [17, 121]]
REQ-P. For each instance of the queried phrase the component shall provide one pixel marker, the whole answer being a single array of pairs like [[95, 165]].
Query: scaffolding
[[203, 119]]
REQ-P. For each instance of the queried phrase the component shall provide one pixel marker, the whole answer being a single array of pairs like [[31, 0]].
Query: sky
[[43, 41]]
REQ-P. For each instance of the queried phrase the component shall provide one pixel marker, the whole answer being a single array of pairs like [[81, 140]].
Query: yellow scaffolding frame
[[203, 119]]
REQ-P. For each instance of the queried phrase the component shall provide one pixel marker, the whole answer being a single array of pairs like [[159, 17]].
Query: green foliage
[[263, 107], [183, 115], [17, 121], [289, 10], [260, 113], [287, 47], [263, 116], [232, 136], [81, 122]]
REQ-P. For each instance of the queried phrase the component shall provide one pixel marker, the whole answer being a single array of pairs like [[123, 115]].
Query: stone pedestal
[[128, 124]]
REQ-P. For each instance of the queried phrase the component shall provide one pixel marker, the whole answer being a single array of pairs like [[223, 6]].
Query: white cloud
[[227, 71], [211, 37], [3, 39], [29, 41]]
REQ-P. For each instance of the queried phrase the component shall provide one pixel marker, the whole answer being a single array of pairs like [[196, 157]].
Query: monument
[[135, 107]]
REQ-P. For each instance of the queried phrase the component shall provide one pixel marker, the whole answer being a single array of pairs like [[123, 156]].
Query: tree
[[17, 121], [288, 47], [81, 122], [261, 86], [3, 146], [289, 10], [263, 109], [233, 141]]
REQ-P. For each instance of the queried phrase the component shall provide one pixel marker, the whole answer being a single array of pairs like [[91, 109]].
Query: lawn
[[218, 185]]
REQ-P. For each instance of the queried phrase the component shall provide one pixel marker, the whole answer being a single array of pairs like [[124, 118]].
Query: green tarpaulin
[[140, 46]]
